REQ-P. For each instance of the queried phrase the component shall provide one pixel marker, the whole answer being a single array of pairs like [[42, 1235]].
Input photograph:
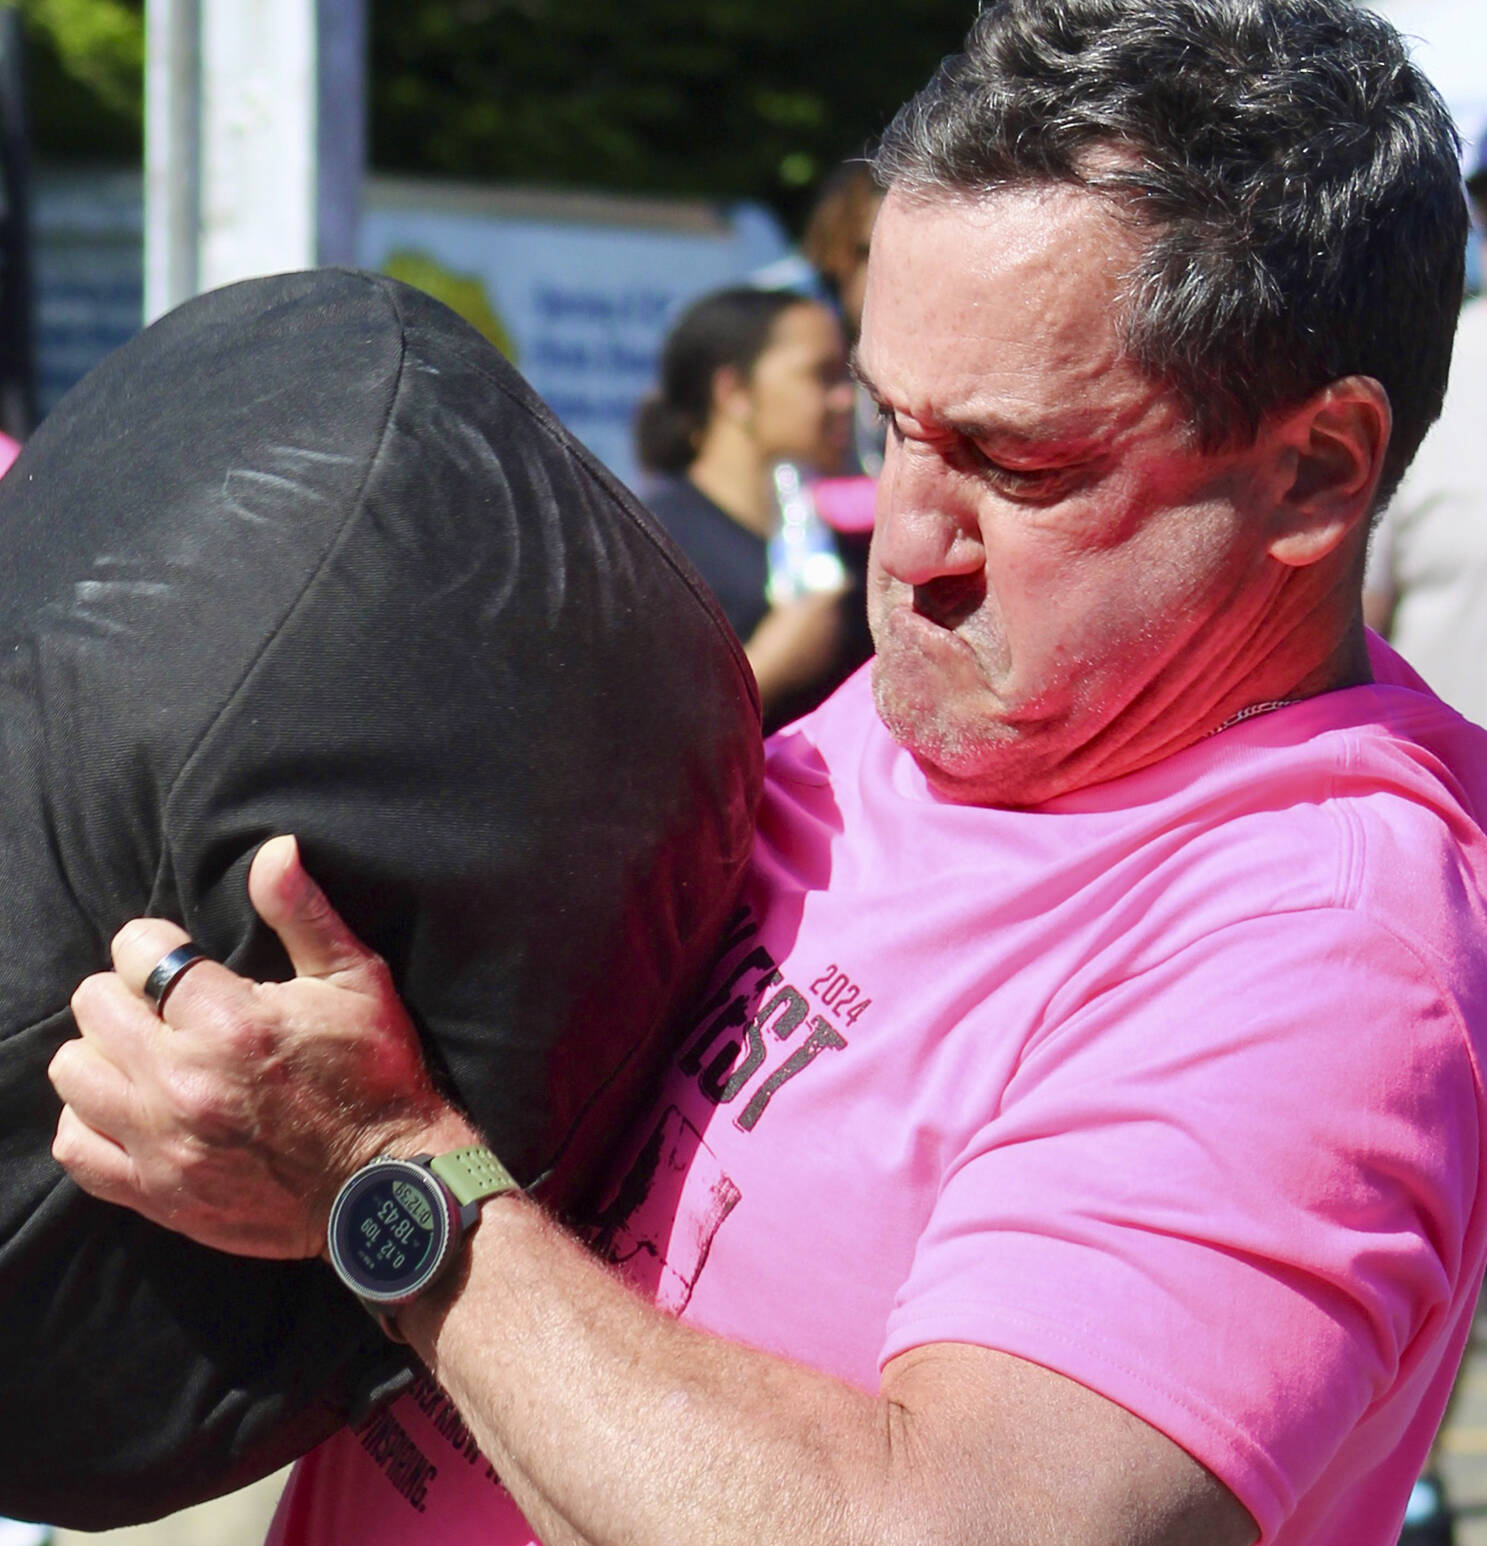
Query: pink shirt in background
[[1171, 1085]]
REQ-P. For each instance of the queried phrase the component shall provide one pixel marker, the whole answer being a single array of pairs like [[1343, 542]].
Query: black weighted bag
[[307, 556]]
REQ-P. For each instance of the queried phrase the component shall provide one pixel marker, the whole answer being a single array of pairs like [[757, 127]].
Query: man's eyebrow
[[1052, 443], [1064, 442]]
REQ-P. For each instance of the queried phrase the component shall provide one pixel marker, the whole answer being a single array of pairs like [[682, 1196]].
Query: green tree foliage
[[724, 98], [731, 98], [85, 63]]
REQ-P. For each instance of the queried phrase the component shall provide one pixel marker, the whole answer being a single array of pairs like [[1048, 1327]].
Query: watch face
[[389, 1230]]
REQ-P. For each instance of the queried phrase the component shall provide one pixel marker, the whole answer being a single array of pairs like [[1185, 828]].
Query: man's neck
[[1162, 723]]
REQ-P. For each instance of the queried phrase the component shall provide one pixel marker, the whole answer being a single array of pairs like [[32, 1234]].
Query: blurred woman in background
[[751, 379]]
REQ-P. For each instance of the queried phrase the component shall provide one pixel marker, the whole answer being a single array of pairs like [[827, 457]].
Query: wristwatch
[[397, 1224]]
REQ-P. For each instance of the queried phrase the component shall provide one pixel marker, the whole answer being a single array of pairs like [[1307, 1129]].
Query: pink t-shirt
[[1170, 1085]]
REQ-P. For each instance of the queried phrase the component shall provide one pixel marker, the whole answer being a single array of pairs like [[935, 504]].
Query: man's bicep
[[993, 1448]]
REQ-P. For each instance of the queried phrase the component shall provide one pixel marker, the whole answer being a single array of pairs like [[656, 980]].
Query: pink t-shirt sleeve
[[1228, 1194]]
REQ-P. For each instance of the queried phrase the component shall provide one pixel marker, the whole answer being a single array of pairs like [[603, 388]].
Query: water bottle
[[801, 556]]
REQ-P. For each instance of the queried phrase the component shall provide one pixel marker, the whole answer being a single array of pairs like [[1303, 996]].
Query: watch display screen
[[389, 1231]]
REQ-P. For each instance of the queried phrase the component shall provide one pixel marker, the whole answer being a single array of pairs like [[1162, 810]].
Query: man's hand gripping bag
[[308, 556]]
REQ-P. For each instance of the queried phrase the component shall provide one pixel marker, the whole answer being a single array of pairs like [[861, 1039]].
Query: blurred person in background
[[750, 380], [838, 237], [831, 262], [1425, 588], [831, 265]]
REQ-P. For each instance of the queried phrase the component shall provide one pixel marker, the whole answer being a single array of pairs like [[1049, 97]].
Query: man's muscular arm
[[611, 1422], [608, 1420]]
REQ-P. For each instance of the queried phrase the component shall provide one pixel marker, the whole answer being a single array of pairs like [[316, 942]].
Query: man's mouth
[[949, 600]]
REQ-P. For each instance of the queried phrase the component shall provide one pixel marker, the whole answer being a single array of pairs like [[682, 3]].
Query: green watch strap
[[472, 1174]]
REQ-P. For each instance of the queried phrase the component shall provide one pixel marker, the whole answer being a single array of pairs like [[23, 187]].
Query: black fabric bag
[[308, 556]]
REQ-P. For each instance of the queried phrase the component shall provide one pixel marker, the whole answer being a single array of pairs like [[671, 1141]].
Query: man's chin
[[991, 762], [948, 752]]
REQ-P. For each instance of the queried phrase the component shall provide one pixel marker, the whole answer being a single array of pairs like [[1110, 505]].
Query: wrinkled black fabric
[[307, 556]]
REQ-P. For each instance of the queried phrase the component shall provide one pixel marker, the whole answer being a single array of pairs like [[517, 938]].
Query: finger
[[119, 1074], [95, 1162], [138, 949], [95, 1087], [140, 944], [113, 1019], [312, 932]]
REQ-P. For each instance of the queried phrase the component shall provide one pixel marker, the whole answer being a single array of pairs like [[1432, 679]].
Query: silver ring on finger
[[169, 970]]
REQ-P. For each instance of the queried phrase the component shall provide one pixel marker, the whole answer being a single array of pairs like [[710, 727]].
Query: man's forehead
[[1028, 218], [1001, 309]]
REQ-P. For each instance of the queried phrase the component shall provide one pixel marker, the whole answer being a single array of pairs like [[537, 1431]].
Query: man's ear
[[1330, 456]]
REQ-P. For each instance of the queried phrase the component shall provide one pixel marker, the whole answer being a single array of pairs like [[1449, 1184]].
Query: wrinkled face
[[799, 395], [1061, 584]]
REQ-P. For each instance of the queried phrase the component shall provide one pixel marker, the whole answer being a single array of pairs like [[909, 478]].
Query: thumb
[[312, 932]]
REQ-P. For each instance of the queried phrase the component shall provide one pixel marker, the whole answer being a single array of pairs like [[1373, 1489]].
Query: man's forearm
[[610, 1421], [614, 1423]]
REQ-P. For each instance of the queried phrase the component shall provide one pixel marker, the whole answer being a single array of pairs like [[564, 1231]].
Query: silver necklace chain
[[1251, 712]]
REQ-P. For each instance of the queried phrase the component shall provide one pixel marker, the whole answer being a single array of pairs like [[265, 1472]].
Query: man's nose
[[925, 524]]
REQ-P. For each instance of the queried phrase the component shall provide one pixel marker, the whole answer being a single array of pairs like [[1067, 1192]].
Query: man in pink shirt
[[1081, 1139]]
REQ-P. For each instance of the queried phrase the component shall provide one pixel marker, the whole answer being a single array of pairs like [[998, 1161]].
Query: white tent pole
[[255, 139], [172, 159]]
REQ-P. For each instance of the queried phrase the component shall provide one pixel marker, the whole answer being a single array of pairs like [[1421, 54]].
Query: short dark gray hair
[[1299, 176]]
